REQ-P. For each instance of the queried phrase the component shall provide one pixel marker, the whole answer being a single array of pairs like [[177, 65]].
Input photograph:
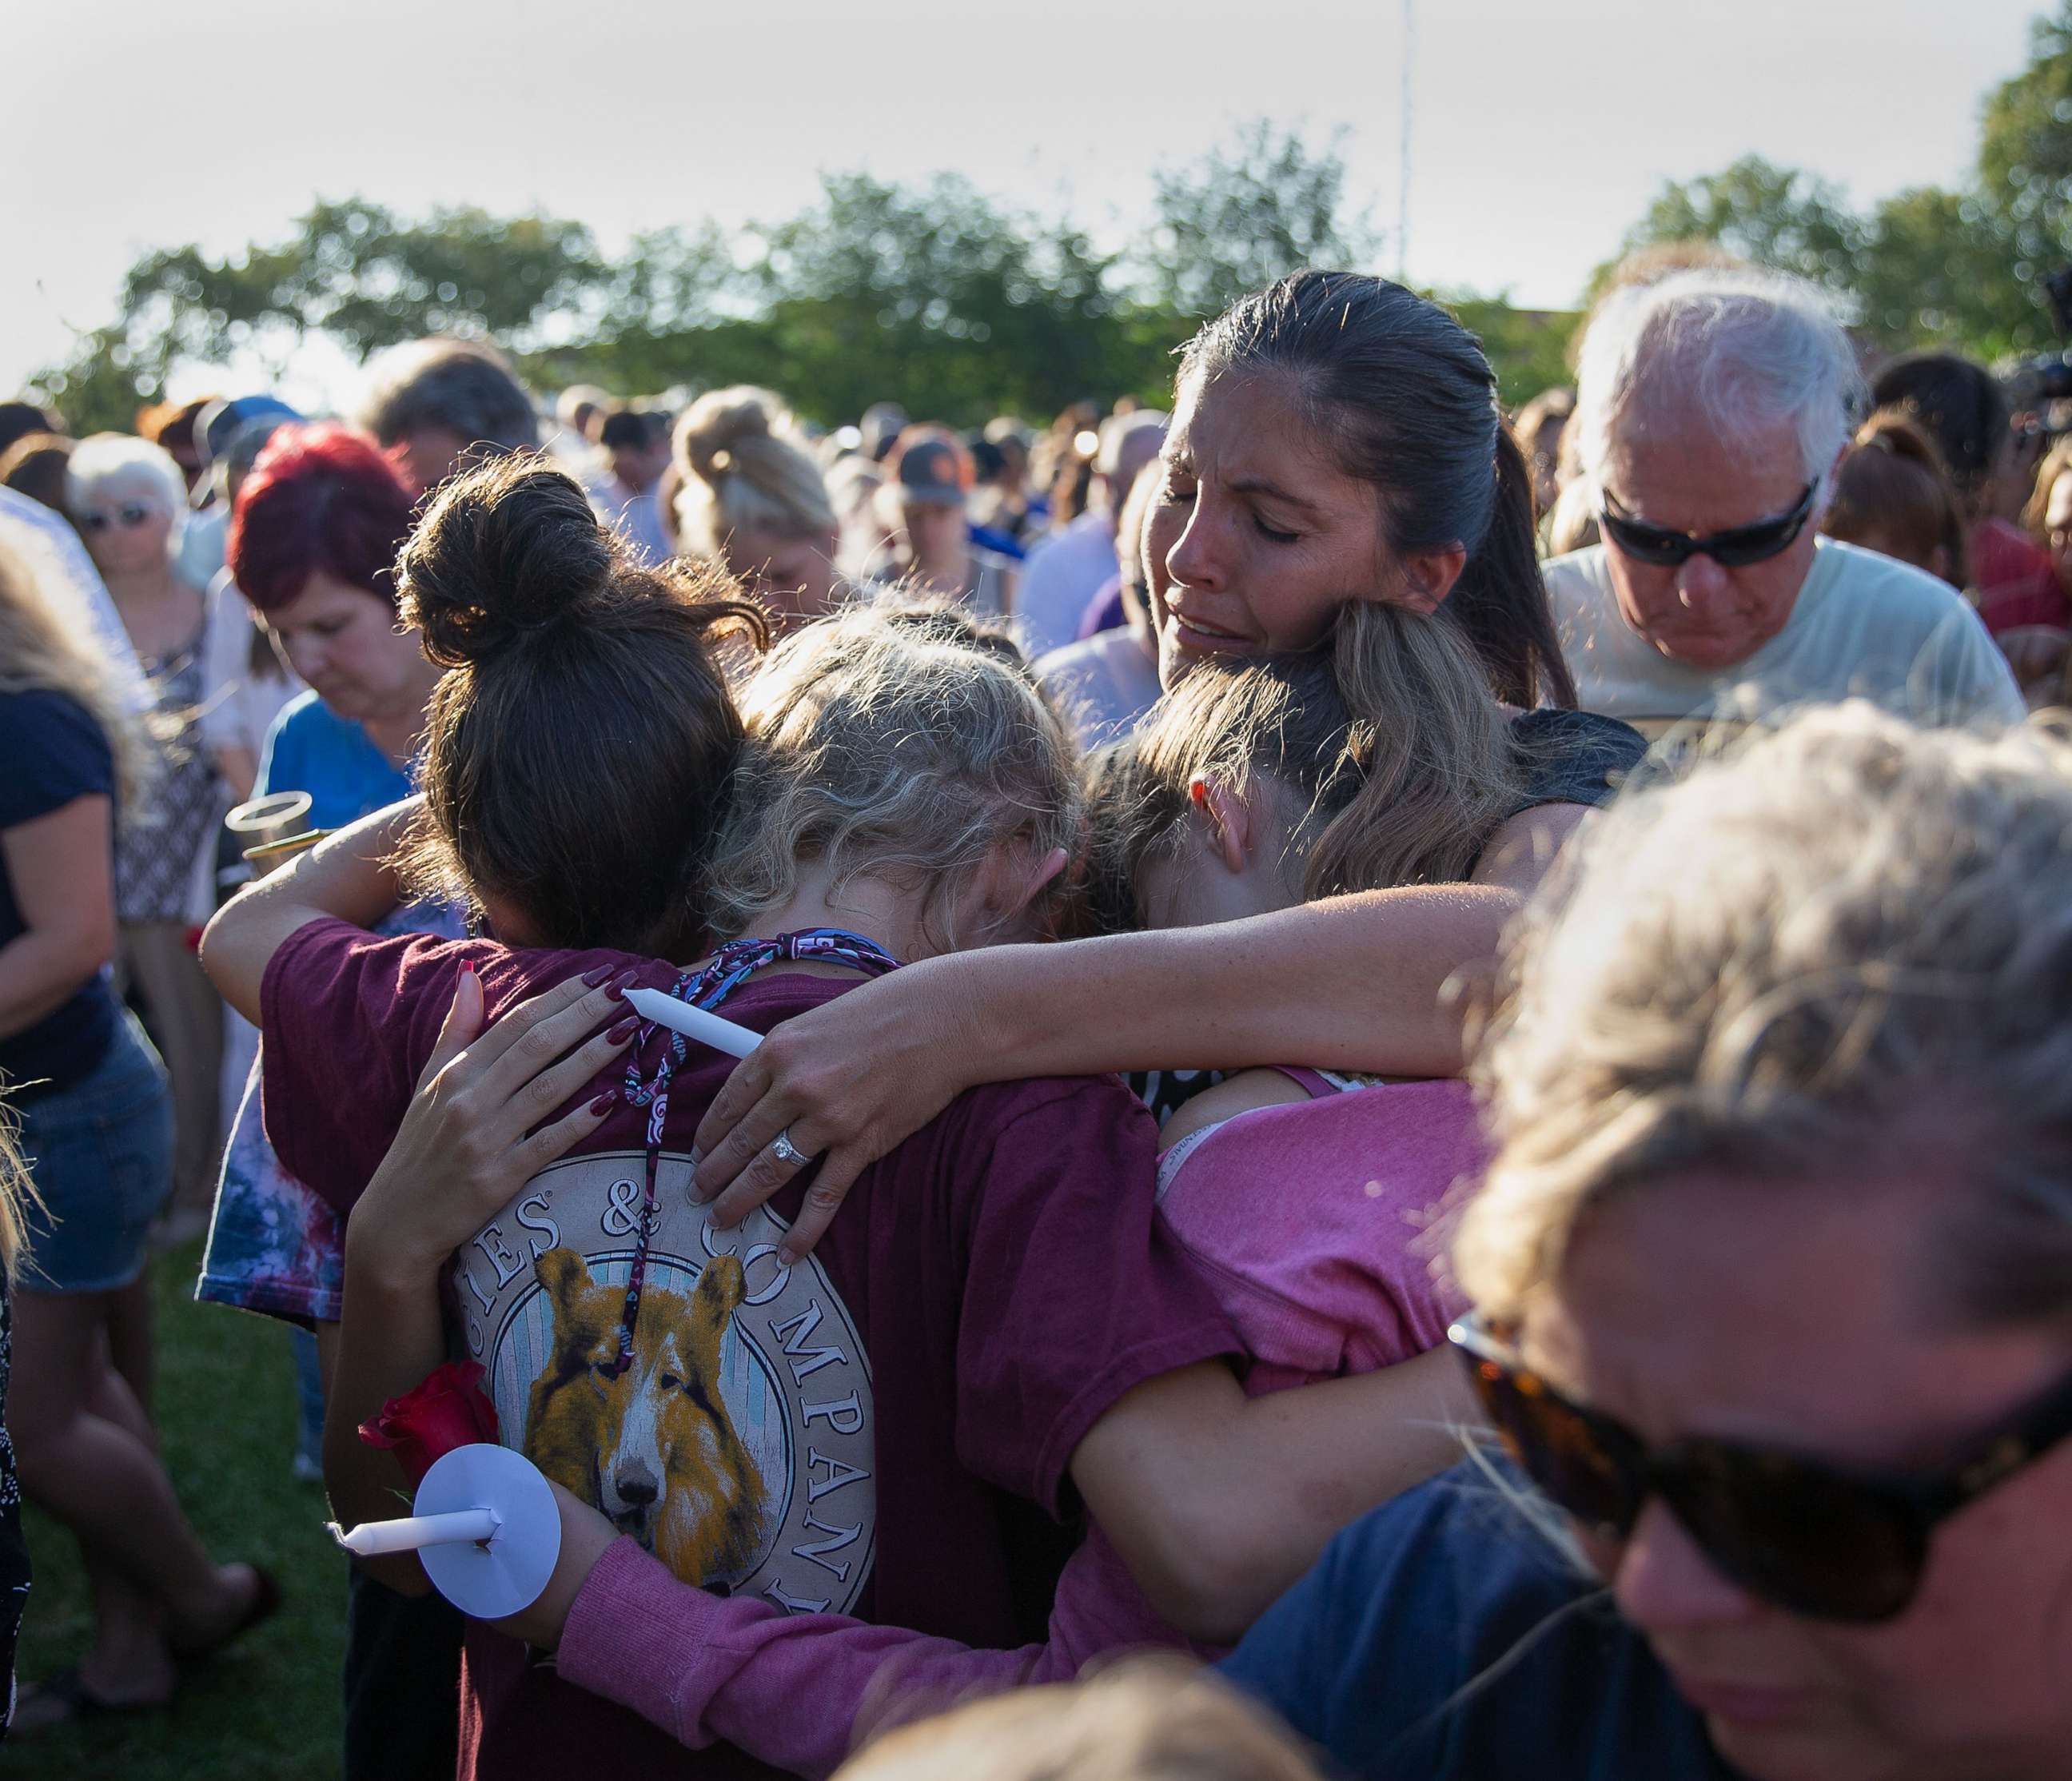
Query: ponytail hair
[[580, 755], [746, 468], [1890, 485], [1500, 601], [1403, 395]]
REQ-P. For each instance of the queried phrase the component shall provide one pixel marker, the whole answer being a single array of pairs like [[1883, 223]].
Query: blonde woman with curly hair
[[1773, 1280], [94, 1129]]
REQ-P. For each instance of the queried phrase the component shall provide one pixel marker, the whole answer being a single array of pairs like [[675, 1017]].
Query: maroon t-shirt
[[906, 1401]]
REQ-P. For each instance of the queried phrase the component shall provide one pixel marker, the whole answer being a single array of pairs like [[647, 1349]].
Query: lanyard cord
[[729, 968]]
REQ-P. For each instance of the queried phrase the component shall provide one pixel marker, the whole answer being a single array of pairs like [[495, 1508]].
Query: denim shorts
[[100, 1156]]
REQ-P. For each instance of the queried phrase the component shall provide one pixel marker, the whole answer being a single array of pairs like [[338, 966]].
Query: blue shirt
[[55, 754], [1376, 1655], [311, 749]]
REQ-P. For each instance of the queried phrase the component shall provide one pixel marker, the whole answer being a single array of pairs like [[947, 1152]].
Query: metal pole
[[1402, 173]]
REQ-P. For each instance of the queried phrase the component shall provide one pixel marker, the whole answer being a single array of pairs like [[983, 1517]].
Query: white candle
[[410, 1533], [698, 1023]]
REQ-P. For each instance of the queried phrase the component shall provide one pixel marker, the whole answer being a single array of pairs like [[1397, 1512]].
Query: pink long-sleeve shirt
[[1309, 1221]]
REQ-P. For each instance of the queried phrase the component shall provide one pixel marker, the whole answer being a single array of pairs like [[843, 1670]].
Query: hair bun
[[1895, 430], [710, 432], [506, 551]]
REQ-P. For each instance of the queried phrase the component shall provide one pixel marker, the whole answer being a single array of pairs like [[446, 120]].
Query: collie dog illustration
[[653, 1447]]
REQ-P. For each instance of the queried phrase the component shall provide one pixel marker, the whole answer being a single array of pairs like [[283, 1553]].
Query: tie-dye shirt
[[275, 1247]]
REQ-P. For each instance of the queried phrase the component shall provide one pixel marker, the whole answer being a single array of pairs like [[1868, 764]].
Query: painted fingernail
[[605, 1102], [592, 979], [624, 1030], [468, 968], [623, 982]]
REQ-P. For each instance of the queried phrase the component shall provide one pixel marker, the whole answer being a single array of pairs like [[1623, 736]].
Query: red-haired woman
[[315, 532], [311, 545]]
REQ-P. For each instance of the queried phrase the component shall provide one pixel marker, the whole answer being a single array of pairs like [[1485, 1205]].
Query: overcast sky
[[1539, 131]]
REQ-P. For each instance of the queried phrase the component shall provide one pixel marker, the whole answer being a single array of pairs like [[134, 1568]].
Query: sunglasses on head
[[1732, 548], [130, 513], [1813, 1538]]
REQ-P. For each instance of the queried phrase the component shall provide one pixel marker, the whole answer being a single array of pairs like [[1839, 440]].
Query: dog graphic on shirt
[[654, 1447]]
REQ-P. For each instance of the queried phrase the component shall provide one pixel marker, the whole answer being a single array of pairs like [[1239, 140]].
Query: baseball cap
[[930, 474]]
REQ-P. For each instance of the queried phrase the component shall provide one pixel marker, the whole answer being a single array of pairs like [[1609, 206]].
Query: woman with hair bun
[[753, 499], [596, 681]]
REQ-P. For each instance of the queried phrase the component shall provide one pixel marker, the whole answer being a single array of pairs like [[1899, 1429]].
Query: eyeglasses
[[1810, 1538], [129, 514], [1733, 549]]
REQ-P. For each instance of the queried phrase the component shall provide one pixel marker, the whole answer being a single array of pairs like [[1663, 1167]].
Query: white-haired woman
[[129, 500], [1773, 1273]]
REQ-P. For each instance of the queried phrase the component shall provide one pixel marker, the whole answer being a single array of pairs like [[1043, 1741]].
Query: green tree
[[2025, 173], [1528, 347], [353, 271], [1936, 270], [934, 293], [1775, 216], [937, 294], [1265, 205], [1927, 266]]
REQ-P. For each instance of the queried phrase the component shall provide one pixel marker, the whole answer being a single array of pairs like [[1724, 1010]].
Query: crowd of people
[[1414, 1053]]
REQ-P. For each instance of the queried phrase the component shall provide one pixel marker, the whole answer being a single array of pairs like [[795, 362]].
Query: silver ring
[[781, 1148]]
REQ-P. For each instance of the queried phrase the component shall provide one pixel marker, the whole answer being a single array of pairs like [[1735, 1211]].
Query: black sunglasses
[[130, 513], [1732, 548], [1810, 1538]]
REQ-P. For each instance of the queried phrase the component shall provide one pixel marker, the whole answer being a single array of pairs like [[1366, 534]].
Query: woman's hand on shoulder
[[477, 1128], [845, 1082]]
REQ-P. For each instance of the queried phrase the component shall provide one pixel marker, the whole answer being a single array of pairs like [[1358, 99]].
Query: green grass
[[268, 1708]]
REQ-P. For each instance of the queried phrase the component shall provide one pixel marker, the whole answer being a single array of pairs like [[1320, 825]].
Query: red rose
[[449, 1409]]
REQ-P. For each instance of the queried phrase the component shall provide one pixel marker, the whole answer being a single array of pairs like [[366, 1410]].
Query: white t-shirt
[[1058, 582], [1864, 626], [241, 705]]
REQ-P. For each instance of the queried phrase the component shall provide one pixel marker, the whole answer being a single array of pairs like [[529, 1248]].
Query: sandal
[[265, 1604], [62, 1697]]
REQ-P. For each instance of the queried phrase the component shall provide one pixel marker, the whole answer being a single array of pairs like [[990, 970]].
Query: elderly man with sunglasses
[[1772, 1272], [1711, 406]]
